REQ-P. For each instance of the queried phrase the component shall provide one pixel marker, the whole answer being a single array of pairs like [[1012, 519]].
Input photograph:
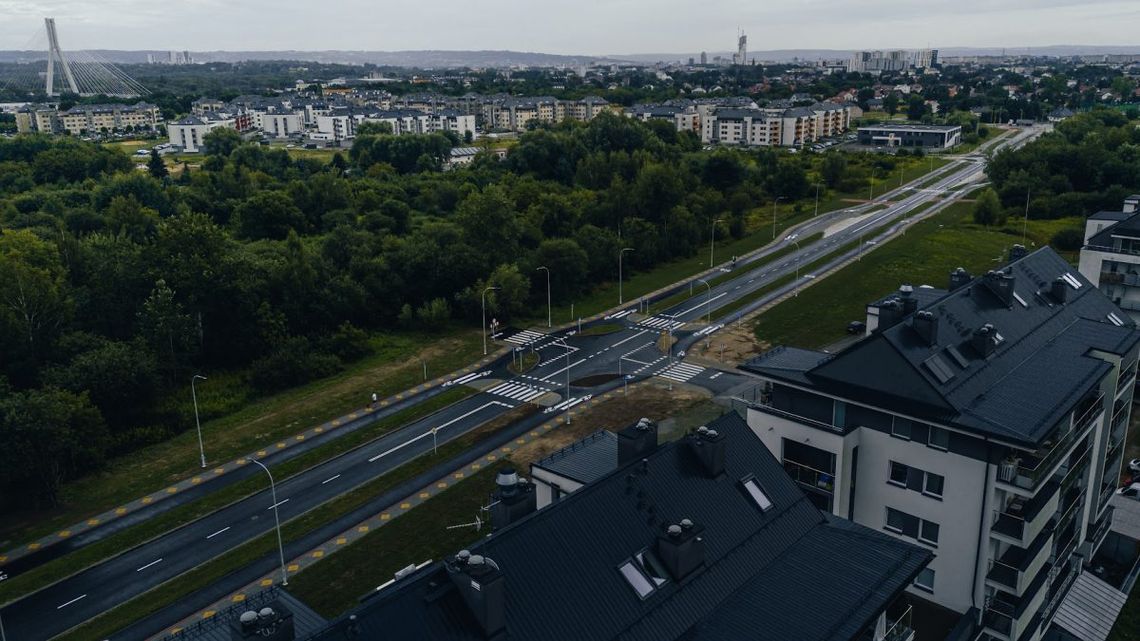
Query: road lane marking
[[218, 532], [60, 607], [157, 561], [703, 304], [330, 479], [281, 502], [436, 429], [548, 376], [626, 340]]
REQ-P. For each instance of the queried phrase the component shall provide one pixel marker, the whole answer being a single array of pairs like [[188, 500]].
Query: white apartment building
[[1110, 257], [189, 132], [784, 127], [88, 119], [986, 422], [281, 125], [453, 121]]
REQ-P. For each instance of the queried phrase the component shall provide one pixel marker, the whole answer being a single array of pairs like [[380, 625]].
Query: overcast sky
[[591, 27]]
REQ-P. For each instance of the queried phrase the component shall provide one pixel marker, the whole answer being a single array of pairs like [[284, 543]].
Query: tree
[[166, 326], [156, 166], [268, 214], [221, 141], [568, 266], [489, 222], [987, 209], [916, 108], [832, 168], [33, 302], [891, 104]]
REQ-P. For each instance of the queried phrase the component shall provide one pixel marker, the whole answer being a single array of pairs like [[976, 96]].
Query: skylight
[[957, 356], [643, 573], [939, 368], [757, 494], [1072, 280], [1019, 299], [636, 579], [1115, 320]]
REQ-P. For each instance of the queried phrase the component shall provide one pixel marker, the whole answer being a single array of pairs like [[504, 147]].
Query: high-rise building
[[704, 58], [741, 55]]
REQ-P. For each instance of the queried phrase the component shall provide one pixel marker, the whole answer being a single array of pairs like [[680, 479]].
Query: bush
[[1069, 239], [293, 363], [348, 343]]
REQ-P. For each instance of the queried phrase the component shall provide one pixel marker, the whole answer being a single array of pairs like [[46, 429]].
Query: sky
[[588, 27]]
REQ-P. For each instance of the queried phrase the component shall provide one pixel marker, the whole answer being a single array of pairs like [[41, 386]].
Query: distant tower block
[[55, 54], [741, 57]]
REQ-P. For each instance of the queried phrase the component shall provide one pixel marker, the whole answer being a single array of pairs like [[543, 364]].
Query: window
[[929, 532], [938, 438], [898, 474], [644, 573], [757, 494], [900, 428], [933, 484], [638, 581], [925, 580]]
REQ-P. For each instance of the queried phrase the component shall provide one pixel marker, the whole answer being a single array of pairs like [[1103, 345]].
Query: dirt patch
[[648, 399], [728, 347], [593, 381]]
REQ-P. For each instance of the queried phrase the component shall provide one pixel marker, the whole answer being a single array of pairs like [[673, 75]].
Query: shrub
[[293, 363], [1068, 239]]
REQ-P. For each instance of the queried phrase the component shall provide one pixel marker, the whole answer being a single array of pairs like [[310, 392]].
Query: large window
[[925, 580], [901, 428], [933, 485], [938, 438], [912, 478], [898, 473], [912, 527]]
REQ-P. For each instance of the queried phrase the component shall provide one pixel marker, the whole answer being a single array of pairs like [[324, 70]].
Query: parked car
[[1131, 492], [856, 327]]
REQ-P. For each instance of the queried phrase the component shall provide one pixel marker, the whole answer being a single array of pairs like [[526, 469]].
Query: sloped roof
[[1040, 368], [586, 460], [1090, 608], [763, 570], [1128, 226]]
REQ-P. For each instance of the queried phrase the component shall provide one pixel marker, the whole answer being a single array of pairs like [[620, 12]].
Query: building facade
[[1110, 258], [985, 421], [189, 132], [930, 136]]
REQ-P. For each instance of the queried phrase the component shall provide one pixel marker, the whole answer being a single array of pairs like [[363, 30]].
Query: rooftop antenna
[[477, 524]]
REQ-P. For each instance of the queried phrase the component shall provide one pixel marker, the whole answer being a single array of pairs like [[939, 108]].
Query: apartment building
[[985, 421], [37, 119], [773, 125], [189, 132], [699, 539], [683, 118], [282, 125], [87, 119], [1110, 258]]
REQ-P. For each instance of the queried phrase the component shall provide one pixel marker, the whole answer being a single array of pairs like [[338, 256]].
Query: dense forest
[[117, 284], [1091, 162]]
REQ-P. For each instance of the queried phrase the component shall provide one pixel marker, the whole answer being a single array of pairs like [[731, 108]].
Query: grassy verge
[[69, 564], [145, 604], [334, 585], [926, 254], [236, 423], [524, 363], [601, 329]]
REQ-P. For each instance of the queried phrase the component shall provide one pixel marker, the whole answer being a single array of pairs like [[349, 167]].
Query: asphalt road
[[572, 366]]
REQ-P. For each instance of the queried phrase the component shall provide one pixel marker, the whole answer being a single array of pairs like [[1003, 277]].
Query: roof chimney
[[709, 448], [273, 622], [636, 441], [483, 588], [1017, 252], [909, 302], [983, 340], [1059, 290], [512, 499], [1131, 204], [890, 313], [681, 549], [959, 278], [926, 325], [1001, 285]]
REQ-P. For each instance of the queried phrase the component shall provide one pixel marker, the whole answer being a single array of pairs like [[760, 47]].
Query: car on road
[[856, 327]]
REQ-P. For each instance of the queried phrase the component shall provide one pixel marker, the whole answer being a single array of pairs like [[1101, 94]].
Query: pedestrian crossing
[[525, 337], [681, 372], [660, 323], [518, 391]]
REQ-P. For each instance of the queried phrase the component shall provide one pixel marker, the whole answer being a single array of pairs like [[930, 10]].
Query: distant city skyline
[[598, 28]]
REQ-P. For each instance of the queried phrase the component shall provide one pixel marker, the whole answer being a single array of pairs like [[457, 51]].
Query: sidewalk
[[222, 469]]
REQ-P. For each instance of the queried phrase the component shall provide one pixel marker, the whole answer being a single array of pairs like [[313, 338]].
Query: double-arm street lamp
[[621, 254], [547, 270], [484, 298], [706, 284]]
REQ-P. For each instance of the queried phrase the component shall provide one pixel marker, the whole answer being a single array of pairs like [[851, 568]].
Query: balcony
[[1096, 537], [1126, 379], [1006, 614], [1022, 520], [1024, 470], [815, 479], [764, 405], [896, 622], [1017, 567]]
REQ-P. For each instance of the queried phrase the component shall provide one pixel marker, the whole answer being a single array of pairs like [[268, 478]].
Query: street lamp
[[871, 196], [621, 253], [484, 299], [797, 289], [817, 186], [706, 283], [547, 270], [564, 344], [276, 519], [712, 241], [197, 423], [778, 199]]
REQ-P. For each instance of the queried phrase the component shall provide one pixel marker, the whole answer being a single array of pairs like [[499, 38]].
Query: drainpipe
[[981, 529]]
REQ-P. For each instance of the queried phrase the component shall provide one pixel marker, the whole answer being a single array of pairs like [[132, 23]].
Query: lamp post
[[706, 283], [778, 199], [871, 195], [424, 363], [564, 344], [484, 299], [547, 270], [621, 253], [276, 519], [712, 241], [797, 289], [817, 186], [197, 423]]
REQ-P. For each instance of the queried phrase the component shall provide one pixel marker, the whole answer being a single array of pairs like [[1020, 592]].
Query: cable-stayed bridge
[[78, 72]]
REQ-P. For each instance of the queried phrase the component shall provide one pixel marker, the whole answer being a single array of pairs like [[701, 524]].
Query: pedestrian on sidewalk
[[372, 405]]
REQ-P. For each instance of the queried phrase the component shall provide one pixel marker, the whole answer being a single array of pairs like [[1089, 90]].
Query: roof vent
[[1017, 252], [1059, 290], [272, 623], [681, 549], [483, 587], [959, 278], [512, 499], [709, 448], [984, 340], [636, 441], [909, 302], [890, 313], [1000, 285], [925, 324]]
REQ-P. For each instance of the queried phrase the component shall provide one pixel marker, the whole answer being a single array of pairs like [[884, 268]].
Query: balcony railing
[[1021, 519], [765, 406], [1028, 474], [1102, 526], [809, 476], [1126, 378], [900, 629]]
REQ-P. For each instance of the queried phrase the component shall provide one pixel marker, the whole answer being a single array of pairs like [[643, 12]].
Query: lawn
[[236, 421], [926, 254]]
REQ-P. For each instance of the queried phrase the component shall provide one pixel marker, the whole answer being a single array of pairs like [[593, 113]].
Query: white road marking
[[626, 340], [330, 479], [281, 502], [429, 431], [60, 607], [715, 375], [548, 376], [218, 532], [703, 304], [148, 565], [681, 372]]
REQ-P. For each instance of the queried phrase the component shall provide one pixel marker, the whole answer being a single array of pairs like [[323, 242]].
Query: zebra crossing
[[680, 372], [518, 391], [660, 323], [525, 337]]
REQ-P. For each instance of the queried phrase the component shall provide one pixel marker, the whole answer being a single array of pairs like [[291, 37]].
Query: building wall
[[281, 125]]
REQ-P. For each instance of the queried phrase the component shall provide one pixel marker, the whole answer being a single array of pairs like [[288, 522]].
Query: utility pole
[[712, 241], [778, 199], [197, 423], [547, 270], [621, 254]]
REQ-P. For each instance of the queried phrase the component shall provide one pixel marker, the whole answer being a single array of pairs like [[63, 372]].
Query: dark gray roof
[[1039, 371], [764, 571], [728, 113], [925, 295], [1111, 215], [586, 460], [920, 128], [799, 112], [1128, 226]]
